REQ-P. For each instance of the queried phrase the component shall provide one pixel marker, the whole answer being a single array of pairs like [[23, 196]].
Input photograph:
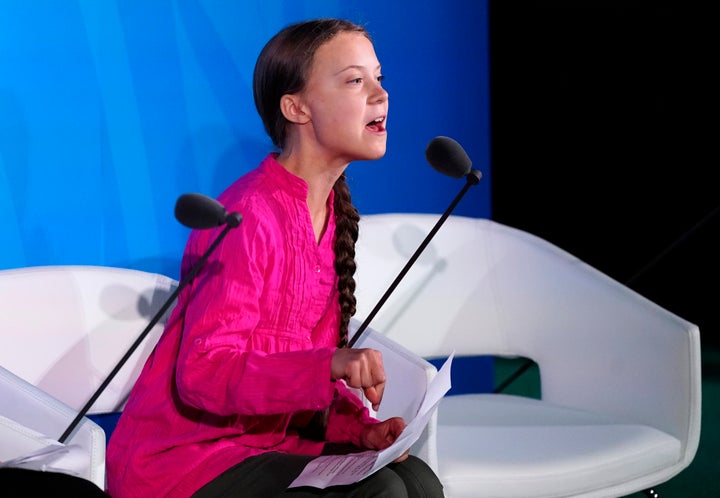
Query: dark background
[[604, 130]]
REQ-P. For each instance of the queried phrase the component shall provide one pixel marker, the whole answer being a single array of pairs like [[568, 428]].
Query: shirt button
[[317, 268]]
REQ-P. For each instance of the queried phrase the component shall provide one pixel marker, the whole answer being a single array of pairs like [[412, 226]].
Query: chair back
[[603, 350], [64, 328]]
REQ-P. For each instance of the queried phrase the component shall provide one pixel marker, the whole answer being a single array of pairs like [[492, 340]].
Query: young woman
[[249, 380]]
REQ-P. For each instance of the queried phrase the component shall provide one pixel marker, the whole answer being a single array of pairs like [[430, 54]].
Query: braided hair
[[346, 234]]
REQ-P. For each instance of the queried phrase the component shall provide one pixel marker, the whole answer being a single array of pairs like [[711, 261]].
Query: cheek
[[337, 115]]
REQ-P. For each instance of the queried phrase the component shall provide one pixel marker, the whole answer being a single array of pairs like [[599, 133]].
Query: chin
[[371, 156], [368, 150], [376, 152]]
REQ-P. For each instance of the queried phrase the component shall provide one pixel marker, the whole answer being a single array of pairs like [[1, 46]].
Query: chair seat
[[510, 446]]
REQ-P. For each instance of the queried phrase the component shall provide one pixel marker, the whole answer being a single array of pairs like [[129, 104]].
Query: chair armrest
[[597, 342], [32, 420]]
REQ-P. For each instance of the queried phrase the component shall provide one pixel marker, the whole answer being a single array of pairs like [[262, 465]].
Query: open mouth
[[377, 125]]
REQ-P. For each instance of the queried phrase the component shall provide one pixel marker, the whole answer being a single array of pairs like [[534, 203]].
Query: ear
[[293, 110]]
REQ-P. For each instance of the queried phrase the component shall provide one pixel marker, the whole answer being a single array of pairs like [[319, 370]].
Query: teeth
[[376, 121]]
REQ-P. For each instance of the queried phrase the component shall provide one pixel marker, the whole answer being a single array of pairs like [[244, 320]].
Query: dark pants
[[16, 482], [270, 474]]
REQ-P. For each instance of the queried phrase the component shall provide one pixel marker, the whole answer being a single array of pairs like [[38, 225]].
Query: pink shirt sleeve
[[227, 364]]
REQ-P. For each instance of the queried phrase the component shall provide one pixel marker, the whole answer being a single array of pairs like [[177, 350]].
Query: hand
[[361, 368], [380, 436]]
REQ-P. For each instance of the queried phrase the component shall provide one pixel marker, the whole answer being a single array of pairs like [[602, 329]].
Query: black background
[[604, 130]]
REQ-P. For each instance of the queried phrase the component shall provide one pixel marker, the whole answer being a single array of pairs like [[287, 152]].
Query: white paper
[[332, 470]]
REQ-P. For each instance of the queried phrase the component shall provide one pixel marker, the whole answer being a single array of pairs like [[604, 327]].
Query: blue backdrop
[[110, 110]]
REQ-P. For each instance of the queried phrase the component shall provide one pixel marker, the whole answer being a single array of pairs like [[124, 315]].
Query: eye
[[381, 78], [356, 80]]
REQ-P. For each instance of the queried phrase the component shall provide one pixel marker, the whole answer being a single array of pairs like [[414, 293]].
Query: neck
[[320, 178]]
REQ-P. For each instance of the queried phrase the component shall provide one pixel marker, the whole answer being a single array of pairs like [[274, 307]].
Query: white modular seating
[[63, 330], [620, 376], [31, 421]]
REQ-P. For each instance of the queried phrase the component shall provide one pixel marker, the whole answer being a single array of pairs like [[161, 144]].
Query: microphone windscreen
[[448, 157], [199, 211]]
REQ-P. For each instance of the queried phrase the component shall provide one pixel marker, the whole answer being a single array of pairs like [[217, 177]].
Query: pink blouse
[[245, 356]]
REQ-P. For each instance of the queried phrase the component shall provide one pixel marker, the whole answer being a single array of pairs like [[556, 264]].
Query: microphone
[[449, 158], [194, 211], [200, 212]]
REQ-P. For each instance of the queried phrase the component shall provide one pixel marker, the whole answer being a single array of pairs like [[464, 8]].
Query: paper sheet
[[331, 470]]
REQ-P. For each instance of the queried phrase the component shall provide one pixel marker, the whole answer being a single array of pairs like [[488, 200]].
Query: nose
[[379, 94]]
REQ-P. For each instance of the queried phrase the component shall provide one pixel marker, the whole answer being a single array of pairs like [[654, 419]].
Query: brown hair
[[282, 68]]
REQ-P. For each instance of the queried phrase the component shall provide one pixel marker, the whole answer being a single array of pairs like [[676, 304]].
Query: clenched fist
[[363, 369]]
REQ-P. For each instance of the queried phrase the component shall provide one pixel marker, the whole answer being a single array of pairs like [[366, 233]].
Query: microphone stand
[[473, 178], [231, 221]]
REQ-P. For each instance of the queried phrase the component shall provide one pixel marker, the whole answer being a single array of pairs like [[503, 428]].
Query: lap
[[270, 474], [24, 482]]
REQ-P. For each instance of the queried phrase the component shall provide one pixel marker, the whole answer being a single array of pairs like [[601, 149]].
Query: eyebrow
[[356, 66]]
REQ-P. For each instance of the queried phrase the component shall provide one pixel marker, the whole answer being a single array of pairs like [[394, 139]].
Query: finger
[[377, 369], [385, 437], [379, 391], [398, 425], [402, 457], [378, 379], [373, 397]]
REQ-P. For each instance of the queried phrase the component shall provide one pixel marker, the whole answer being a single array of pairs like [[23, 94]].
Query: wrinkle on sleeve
[[217, 371]]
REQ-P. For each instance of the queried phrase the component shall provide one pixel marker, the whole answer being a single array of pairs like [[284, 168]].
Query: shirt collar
[[290, 183]]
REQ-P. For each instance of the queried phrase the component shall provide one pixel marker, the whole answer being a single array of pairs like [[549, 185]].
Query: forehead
[[348, 48]]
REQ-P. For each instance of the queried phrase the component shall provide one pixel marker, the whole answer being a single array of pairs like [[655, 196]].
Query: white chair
[[620, 376], [64, 329], [30, 423]]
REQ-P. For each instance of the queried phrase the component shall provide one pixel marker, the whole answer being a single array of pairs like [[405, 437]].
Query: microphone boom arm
[[232, 221], [473, 178]]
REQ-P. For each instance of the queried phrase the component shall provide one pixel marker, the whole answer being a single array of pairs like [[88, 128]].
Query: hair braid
[[346, 234]]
